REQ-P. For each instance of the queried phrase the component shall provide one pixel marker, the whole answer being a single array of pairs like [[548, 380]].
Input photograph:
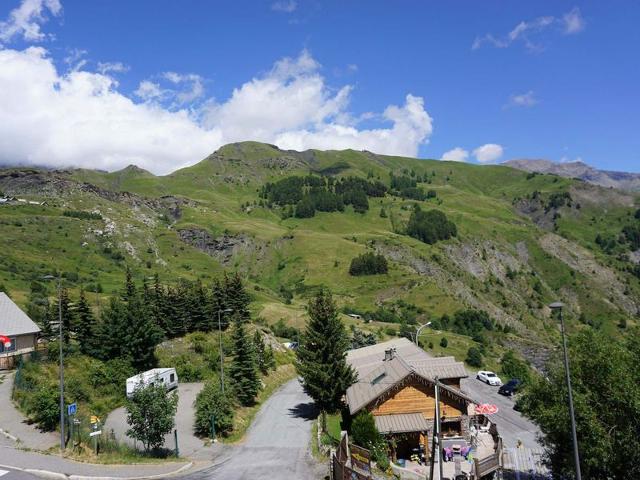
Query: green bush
[[368, 264], [44, 408], [513, 367], [474, 357], [363, 430], [430, 226], [444, 342], [210, 402]]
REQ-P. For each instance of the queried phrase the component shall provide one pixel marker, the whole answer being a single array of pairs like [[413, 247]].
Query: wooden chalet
[[396, 381]]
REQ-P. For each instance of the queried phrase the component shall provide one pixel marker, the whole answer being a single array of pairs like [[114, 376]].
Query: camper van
[[157, 376]]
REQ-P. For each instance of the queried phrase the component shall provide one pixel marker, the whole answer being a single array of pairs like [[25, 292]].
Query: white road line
[[3, 472]]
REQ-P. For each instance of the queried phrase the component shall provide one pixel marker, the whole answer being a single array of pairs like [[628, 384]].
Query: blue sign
[[72, 409]]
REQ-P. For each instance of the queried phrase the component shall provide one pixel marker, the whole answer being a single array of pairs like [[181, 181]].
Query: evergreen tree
[[85, 325], [321, 355], [217, 306], [61, 308], [236, 297], [264, 353], [243, 369], [129, 290], [199, 306]]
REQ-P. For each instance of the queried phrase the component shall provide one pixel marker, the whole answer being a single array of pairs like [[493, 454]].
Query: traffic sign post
[[71, 412]]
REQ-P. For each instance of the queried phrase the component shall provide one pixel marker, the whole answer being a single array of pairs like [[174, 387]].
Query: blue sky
[[162, 83]]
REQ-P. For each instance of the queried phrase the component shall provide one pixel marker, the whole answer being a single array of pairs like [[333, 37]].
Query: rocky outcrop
[[223, 248]]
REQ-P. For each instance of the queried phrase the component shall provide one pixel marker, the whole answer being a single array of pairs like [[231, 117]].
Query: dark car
[[511, 387]]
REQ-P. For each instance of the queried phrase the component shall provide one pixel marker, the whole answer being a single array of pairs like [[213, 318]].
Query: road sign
[[94, 419], [96, 433], [72, 409]]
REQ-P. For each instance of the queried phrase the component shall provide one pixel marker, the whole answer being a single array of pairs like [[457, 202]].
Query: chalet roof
[[401, 423], [14, 321], [377, 375]]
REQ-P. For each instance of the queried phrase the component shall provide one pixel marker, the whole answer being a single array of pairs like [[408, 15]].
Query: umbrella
[[6, 341], [486, 409]]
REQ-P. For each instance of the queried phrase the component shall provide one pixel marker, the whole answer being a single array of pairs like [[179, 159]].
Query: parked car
[[489, 378], [157, 376], [511, 387]]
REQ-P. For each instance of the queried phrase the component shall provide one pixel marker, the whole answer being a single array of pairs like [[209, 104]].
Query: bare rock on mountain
[[605, 178]]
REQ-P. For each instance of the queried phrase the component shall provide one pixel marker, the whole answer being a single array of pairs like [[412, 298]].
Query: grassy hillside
[[520, 242]]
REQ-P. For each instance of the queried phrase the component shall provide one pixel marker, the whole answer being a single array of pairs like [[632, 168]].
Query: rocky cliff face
[[582, 171]]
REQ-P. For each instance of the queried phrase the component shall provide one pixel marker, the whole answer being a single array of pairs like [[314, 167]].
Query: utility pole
[[226, 310], [60, 355], [437, 437], [62, 442], [557, 306]]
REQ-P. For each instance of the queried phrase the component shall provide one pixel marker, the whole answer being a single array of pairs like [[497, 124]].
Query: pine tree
[[243, 369], [61, 308], [85, 325], [199, 304], [237, 298], [129, 290], [261, 352], [218, 303], [321, 356]]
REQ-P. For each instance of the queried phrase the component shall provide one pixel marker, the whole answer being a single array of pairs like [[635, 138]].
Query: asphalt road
[[15, 475], [277, 445], [512, 426]]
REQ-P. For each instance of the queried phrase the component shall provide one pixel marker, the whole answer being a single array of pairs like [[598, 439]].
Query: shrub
[[363, 430], [44, 409], [151, 415], [368, 264], [211, 402], [430, 226], [513, 367], [474, 357], [444, 342]]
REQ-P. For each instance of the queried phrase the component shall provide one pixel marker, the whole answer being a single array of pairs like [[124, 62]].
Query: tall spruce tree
[[86, 328], [61, 307], [199, 307], [237, 298], [321, 356], [244, 371], [218, 303], [264, 353]]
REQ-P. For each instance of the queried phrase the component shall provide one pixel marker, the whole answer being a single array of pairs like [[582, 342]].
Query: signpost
[[95, 422], [71, 412], [361, 459]]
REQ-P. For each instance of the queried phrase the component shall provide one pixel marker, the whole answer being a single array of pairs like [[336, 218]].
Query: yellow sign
[[94, 419]]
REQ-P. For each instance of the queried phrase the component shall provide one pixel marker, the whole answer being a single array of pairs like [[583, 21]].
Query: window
[[12, 348], [172, 378]]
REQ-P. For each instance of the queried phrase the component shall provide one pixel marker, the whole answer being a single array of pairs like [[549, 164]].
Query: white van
[[157, 376]]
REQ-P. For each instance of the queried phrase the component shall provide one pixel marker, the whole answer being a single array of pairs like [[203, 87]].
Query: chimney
[[389, 354]]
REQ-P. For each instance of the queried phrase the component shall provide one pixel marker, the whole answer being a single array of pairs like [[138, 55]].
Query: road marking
[[3, 472]]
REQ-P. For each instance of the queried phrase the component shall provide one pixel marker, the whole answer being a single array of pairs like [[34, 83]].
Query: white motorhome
[[157, 376]]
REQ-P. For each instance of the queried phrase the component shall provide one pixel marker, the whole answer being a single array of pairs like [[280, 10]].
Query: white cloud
[[194, 86], [286, 6], [566, 159], [115, 67], [148, 90], [25, 20], [488, 153], [457, 154], [527, 99], [526, 31], [573, 21], [80, 118]]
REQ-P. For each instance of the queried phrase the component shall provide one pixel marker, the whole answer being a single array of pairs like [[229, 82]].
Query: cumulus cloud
[[488, 153], [81, 118], [527, 99], [528, 32], [286, 6], [457, 154], [25, 20]]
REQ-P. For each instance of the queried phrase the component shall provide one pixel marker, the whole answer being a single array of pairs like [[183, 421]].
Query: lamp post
[[557, 307], [226, 310], [419, 330], [59, 284]]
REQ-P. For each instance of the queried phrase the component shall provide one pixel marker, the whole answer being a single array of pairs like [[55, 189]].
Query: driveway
[[189, 445], [277, 445], [14, 425], [512, 426]]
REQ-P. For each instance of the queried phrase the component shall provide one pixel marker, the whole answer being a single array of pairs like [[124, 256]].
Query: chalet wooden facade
[[20, 329], [396, 384]]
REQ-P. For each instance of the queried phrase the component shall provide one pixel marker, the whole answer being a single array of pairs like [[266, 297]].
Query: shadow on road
[[308, 411]]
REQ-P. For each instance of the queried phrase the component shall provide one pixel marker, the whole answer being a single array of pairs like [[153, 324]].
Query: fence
[[342, 462]]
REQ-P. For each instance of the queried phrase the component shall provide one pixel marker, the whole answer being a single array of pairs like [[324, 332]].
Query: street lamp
[[557, 306], [226, 310], [419, 330], [59, 278]]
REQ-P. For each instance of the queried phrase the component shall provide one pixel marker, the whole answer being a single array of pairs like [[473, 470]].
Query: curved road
[[277, 445]]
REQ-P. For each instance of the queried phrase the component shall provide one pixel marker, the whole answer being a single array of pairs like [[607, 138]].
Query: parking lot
[[512, 425]]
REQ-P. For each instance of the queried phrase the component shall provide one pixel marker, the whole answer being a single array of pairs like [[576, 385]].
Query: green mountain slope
[[523, 239]]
